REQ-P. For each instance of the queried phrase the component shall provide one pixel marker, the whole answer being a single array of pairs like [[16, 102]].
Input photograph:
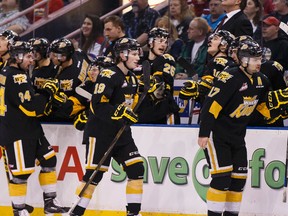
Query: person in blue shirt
[[216, 13]]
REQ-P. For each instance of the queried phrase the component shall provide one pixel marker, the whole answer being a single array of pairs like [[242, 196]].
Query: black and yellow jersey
[[20, 106], [112, 88], [218, 64], [73, 75], [228, 107], [41, 74]]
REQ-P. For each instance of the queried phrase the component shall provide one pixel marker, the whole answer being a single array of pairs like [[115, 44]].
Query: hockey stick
[[29, 208], [286, 177], [146, 80], [194, 78]]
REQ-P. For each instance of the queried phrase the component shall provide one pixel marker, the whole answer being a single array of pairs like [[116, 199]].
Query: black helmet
[[226, 36], [19, 47], [157, 32], [62, 46], [103, 61], [10, 35], [249, 48], [123, 44], [40, 45]]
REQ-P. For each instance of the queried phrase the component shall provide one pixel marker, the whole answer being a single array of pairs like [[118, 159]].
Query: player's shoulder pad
[[277, 65], [20, 78], [224, 76], [220, 61], [108, 73]]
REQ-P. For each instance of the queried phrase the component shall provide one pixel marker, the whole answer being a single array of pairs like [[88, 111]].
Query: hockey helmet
[[249, 48], [103, 61], [226, 37], [40, 45], [10, 35], [62, 46], [126, 44], [157, 32], [19, 48]]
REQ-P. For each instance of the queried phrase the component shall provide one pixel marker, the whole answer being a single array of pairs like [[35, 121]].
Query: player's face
[[3, 45], [254, 64], [133, 59], [87, 27], [213, 45], [160, 45], [56, 58], [93, 73], [28, 60]]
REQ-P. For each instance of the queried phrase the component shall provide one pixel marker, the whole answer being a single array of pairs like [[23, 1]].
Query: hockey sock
[[85, 199], [233, 203], [216, 201], [210, 213], [18, 193], [134, 191], [48, 182]]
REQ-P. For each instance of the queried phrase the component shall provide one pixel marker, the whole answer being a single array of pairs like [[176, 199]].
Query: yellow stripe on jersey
[[17, 189], [27, 112], [215, 109], [233, 196], [49, 155], [239, 175], [216, 195], [104, 99], [47, 178], [88, 192], [134, 186]]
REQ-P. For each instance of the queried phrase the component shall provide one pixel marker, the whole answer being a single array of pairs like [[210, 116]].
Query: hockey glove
[[189, 90], [80, 120], [157, 88], [205, 85], [51, 86], [277, 98], [59, 99], [125, 113]]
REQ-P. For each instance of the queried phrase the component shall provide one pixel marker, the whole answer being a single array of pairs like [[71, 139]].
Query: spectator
[[199, 6], [275, 41], [216, 13], [140, 20], [195, 51], [174, 42], [280, 10], [254, 12], [267, 7], [8, 9], [181, 16], [91, 37], [39, 12], [113, 29], [236, 22]]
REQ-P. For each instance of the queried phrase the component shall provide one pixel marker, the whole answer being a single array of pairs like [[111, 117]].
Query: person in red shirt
[[39, 12]]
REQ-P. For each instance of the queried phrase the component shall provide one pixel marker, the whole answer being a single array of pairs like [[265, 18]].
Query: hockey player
[[44, 68], [235, 95], [7, 37], [110, 108], [24, 140], [160, 107]]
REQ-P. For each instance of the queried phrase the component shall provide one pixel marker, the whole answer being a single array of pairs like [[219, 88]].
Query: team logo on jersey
[[224, 76], [243, 87], [66, 85], [168, 56], [20, 78], [221, 61], [107, 73], [39, 82], [246, 108]]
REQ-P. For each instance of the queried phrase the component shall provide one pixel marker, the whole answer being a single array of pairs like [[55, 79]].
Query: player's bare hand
[[203, 142]]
